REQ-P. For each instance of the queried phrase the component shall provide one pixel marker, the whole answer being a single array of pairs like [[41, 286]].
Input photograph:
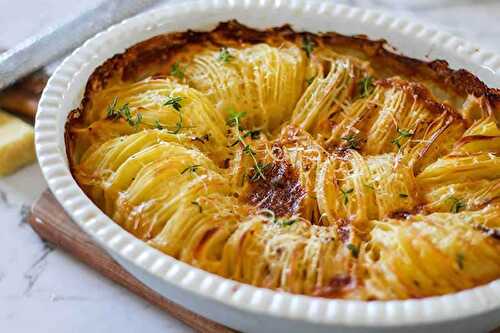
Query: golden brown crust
[[280, 191], [140, 58]]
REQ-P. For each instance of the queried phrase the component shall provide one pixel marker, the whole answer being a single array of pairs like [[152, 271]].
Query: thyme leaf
[[310, 80], [354, 250], [158, 125], [111, 110], [308, 45], [224, 55], [460, 258], [289, 222], [177, 71], [199, 206], [234, 121], [456, 204], [174, 102], [352, 141], [402, 133], [259, 171], [178, 125], [123, 112], [345, 195], [254, 134], [366, 86], [191, 168]]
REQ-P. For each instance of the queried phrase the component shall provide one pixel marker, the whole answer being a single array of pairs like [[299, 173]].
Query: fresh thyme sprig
[[460, 258], [354, 250], [111, 110], [224, 55], [403, 133], [177, 71], [191, 168], [260, 168], [196, 203], [158, 125], [287, 222], [352, 141], [308, 45], [254, 134], [456, 204], [234, 121], [284, 222], [366, 86], [123, 112], [345, 195], [175, 103], [310, 80]]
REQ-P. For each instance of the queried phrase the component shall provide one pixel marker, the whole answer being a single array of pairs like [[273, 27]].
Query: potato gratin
[[322, 164]]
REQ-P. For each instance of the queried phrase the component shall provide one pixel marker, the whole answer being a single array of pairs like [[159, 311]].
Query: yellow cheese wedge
[[17, 147]]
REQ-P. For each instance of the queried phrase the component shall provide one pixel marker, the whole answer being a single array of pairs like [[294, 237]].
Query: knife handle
[[39, 50]]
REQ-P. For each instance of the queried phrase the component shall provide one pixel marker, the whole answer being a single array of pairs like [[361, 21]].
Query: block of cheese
[[17, 147]]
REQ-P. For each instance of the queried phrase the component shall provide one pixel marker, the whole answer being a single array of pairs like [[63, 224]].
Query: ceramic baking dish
[[237, 305]]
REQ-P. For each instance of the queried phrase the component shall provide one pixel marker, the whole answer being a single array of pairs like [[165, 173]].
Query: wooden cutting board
[[52, 223]]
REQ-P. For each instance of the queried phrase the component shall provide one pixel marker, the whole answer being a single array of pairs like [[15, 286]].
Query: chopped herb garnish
[[307, 45], [111, 111], [310, 80], [456, 204], [248, 150], [123, 112], [234, 118], [178, 125], [234, 121], [177, 71], [460, 260], [197, 204], [224, 55], [366, 86], [403, 195], [352, 141], [345, 195], [203, 139], [243, 178], [259, 171], [175, 102], [254, 134], [138, 119], [354, 250], [158, 125], [287, 223], [191, 168], [403, 133]]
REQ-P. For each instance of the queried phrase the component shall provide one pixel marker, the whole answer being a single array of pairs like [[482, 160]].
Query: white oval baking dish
[[237, 305]]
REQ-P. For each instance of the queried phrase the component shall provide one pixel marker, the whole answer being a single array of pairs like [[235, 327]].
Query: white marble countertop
[[45, 289]]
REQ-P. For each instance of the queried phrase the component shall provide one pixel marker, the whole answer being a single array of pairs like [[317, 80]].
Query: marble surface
[[43, 288]]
